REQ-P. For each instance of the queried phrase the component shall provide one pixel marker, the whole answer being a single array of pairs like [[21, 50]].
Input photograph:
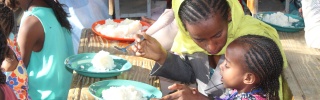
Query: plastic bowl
[[147, 90], [115, 38], [81, 63], [297, 26]]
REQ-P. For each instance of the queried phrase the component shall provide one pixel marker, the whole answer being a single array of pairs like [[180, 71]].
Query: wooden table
[[303, 71], [91, 42]]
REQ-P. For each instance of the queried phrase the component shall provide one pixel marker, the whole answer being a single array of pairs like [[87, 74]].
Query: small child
[[251, 69], [6, 92], [17, 78]]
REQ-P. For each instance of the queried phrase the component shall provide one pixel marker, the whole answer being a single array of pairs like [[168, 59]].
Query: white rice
[[122, 93], [125, 29], [280, 19], [102, 61]]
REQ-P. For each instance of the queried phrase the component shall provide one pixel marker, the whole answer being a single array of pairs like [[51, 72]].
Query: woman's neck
[[34, 3]]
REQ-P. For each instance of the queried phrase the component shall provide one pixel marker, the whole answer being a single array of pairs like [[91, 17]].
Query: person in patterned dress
[[45, 41], [15, 70]]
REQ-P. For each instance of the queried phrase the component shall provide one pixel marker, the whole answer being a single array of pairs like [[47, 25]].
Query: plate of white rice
[[282, 21], [99, 65], [123, 90], [119, 29]]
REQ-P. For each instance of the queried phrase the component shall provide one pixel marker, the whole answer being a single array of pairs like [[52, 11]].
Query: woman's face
[[210, 34], [232, 70]]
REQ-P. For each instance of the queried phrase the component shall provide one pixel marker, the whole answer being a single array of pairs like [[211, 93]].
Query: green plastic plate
[[148, 91], [298, 26], [81, 63]]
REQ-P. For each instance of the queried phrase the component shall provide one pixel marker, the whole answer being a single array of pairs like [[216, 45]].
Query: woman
[[45, 41], [206, 28]]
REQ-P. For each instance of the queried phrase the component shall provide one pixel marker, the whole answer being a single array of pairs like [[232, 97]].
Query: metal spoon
[[125, 48]]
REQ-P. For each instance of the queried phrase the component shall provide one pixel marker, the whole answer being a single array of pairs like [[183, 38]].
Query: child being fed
[[251, 69]]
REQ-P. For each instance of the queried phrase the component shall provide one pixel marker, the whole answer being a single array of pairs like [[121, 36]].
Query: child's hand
[[184, 92]]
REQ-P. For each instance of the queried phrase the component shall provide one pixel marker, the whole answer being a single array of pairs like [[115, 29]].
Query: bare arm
[[10, 63], [30, 37]]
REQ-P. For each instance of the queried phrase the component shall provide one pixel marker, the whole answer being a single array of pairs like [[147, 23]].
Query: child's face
[[232, 70], [210, 34]]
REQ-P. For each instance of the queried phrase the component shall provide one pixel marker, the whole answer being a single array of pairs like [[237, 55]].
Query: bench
[[302, 74]]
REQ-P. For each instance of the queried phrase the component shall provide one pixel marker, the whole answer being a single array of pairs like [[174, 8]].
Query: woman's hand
[[183, 92], [149, 48]]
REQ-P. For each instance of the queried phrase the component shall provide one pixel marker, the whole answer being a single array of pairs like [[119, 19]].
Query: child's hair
[[3, 51], [194, 11], [59, 12], [263, 57], [6, 25]]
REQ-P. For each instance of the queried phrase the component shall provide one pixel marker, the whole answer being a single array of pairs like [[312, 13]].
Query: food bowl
[[147, 90], [121, 39], [81, 63], [295, 27]]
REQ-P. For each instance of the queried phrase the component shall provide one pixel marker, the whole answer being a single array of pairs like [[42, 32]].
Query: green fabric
[[48, 76], [239, 26]]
